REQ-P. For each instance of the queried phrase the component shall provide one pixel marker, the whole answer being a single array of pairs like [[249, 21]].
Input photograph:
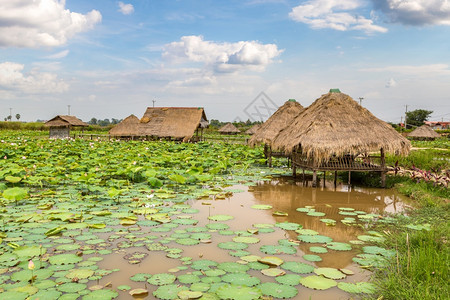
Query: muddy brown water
[[284, 194]]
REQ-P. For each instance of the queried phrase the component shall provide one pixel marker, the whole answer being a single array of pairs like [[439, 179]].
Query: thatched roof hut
[[129, 127], [59, 126], [229, 129], [336, 125], [179, 123], [424, 132], [279, 120], [252, 130]]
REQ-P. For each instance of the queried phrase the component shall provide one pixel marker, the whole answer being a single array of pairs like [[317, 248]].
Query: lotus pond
[[104, 220]]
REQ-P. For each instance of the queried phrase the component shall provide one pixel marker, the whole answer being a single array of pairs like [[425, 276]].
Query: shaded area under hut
[[423, 132], [229, 129], [60, 126], [335, 133], [267, 132]]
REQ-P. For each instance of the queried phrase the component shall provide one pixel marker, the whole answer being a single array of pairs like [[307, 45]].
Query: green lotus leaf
[[250, 258], [220, 217], [55, 230], [329, 222], [29, 251], [15, 193], [357, 288], [241, 279], [185, 221], [288, 226], [162, 279], [136, 292], [124, 287], [289, 279], [262, 225], [13, 295], [64, 259], [232, 267], [200, 287], [186, 295], [314, 239], [339, 246], [317, 282], [200, 236], [315, 214], [214, 272], [280, 213], [46, 294], [371, 238], [271, 260], [278, 290], [370, 260], [103, 294], [238, 292], [80, 273], [203, 264], [346, 209], [232, 246], [177, 178], [168, 292], [71, 287], [348, 213], [255, 265], [330, 273], [277, 249], [188, 278], [25, 275], [13, 179], [312, 257], [304, 209], [246, 239], [306, 232], [378, 250], [140, 277], [297, 267], [273, 272], [217, 226], [187, 241], [261, 206]]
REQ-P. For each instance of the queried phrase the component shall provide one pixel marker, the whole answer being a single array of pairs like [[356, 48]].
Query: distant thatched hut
[[60, 126], [229, 129], [267, 132], [176, 123], [252, 130], [335, 133], [128, 128], [423, 132]]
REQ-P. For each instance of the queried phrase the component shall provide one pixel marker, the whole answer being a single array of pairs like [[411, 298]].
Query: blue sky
[[110, 59]]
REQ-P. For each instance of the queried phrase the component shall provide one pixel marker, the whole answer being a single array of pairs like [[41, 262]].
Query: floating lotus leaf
[[185, 221], [200, 236], [138, 292], [261, 206], [288, 226], [315, 214], [15, 193], [232, 246], [339, 246], [357, 288], [238, 292], [289, 279], [297, 267], [140, 277], [378, 250], [262, 225], [68, 247], [211, 280], [103, 294], [329, 222], [371, 238], [232, 267], [273, 272], [220, 217], [271, 260], [348, 213], [29, 251], [214, 272], [168, 292], [13, 295], [79, 273], [346, 209], [25, 275], [278, 249], [306, 232], [347, 271], [46, 294], [317, 282], [124, 287], [55, 230], [203, 264], [280, 213], [246, 239], [188, 278], [200, 287], [278, 290], [217, 226], [239, 253], [331, 273], [304, 209], [64, 259], [185, 295], [314, 239], [187, 241], [250, 258], [312, 257], [45, 284], [241, 279], [254, 265], [71, 287], [370, 260], [162, 279]]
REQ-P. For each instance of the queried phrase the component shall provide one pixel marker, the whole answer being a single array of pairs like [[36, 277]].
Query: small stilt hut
[[60, 126], [229, 129], [252, 130], [423, 132], [267, 132], [128, 128], [335, 133]]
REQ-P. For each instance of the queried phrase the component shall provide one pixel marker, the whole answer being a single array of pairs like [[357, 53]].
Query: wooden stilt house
[[60, 126]]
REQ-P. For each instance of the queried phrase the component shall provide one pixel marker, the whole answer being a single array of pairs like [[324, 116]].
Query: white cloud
[[334, 14], [221, 57], [126, 9], [58, 55], [12, 78], [415, 12], [428, 70], [41, 23], [391, 83]]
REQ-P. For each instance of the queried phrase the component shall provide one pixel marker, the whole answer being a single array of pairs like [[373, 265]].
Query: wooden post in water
[[349, 177], [383, 168], [314, 178], [294, 170], [335, 179]]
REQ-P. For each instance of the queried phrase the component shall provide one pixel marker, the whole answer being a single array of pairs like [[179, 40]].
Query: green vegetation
[[417, 117]]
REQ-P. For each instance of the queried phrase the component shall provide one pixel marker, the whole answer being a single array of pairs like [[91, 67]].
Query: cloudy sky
[[110, 59]]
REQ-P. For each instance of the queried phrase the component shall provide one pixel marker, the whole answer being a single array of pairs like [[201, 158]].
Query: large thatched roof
[[174, 122], [424, 132], [253, 129], [279, 120], [128, 127], [63, 121], [335, 124], [229, 128]]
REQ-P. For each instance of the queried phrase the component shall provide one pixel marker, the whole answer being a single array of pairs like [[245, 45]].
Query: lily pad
[[312, 257], [357, 288], [271, 261], [314, 239], [261, 206], [278, 290], [330, 273], [317, 282], [297, 267], [233, 267], [64, 259], [220, 217], [289, 279], [168, 292], [273, 272], [103, 294], [162, 279], [241, 279], [339, 246], [238, 292]]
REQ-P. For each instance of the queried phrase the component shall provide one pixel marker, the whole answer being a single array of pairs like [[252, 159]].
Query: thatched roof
[[253, 129], [335, 124], [174, 122], [128, 127], [229, 128], [424, 132], [63, 121], [279, 120]]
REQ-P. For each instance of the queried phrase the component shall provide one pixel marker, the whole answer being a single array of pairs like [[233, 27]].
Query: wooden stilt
[[294, 171], [349, 177], [335, 179], [314, 178], [383, 168]]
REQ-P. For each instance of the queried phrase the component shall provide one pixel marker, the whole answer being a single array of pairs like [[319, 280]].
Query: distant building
[[60, 126], [438, 125]]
